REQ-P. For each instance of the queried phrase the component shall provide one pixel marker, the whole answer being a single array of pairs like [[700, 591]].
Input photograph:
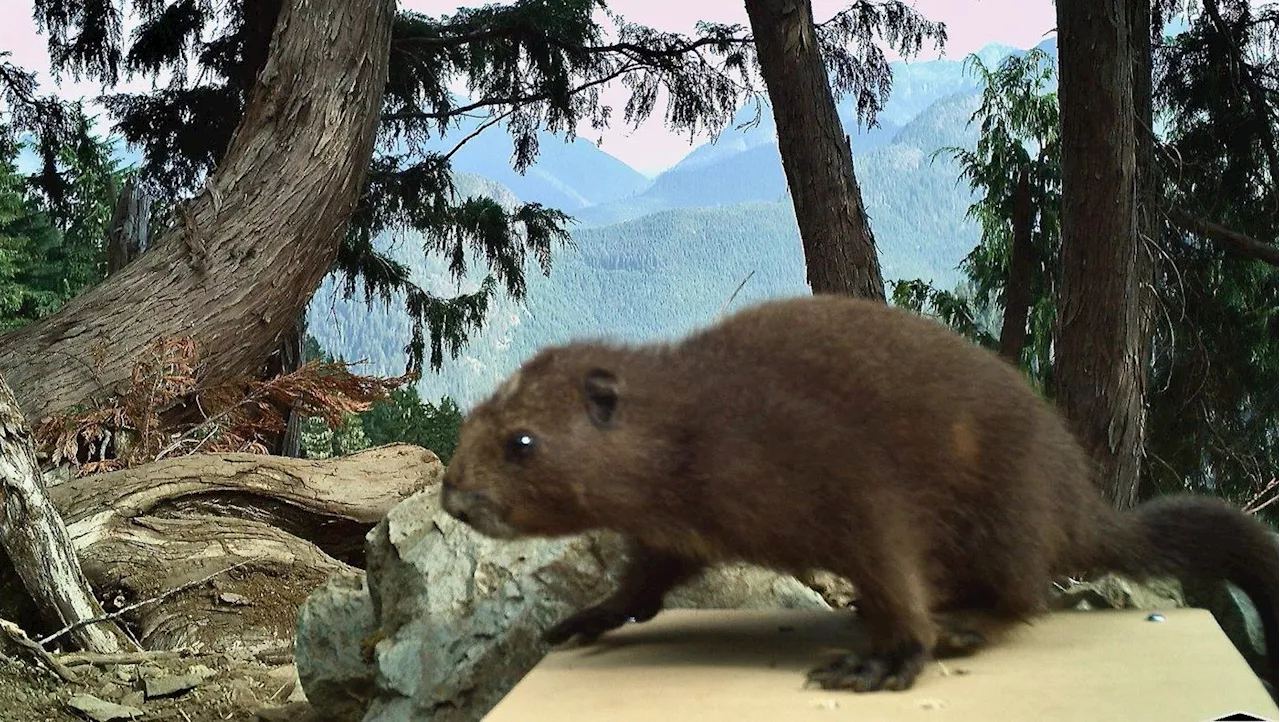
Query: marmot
[[834, 433]]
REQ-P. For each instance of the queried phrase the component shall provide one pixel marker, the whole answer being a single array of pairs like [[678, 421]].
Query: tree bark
[[330, 503], [1100, 366], [1146, 220], [839, 248], [1017, 289], [286, 360], [130, 221], [36, 541], [251, 248]]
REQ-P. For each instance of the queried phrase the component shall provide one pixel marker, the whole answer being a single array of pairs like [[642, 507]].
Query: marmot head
[[554, 451]]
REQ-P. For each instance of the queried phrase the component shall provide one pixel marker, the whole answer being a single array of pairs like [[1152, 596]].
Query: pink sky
[[971, 24]]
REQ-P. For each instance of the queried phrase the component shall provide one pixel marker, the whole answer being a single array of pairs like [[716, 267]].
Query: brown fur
[[827, 432]]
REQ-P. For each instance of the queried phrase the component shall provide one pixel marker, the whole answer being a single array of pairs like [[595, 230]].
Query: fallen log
[[218, 551], [331, 503]]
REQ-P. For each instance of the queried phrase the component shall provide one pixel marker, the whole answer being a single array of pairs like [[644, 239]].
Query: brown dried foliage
[[167, 411]]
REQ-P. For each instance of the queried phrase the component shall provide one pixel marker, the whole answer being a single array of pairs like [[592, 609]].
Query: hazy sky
[[971, 24]]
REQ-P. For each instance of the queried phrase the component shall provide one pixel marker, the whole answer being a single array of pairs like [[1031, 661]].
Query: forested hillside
[[668, 271]]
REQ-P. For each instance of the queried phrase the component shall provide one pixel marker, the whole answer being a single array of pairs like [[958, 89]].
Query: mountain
[[568, 175], [744, 164]]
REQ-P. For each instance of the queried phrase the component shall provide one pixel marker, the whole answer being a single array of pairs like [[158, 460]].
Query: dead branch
[[81, 659], [1231, 240], [15, 638]]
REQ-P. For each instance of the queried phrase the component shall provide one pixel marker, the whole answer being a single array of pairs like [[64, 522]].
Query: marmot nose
[[454, 502]]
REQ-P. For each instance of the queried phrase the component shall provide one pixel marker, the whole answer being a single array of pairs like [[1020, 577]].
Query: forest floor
[[178, 687]]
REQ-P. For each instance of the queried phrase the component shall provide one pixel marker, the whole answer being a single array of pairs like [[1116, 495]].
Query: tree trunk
[[330, 503], [839, 248], [286, 360], [1017, 288], [130, 221], [1146, 219], [1100, 365], [250, 249], [36, 541]]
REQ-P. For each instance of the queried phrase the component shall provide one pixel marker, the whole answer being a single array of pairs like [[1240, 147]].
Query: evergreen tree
[[51, 250], [404, 418], [1018, 119], [1213, 411], [1213, 415]]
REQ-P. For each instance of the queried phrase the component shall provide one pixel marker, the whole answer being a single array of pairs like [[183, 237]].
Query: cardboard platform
[[711, 666]]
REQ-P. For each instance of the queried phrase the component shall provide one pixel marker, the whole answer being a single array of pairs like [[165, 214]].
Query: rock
[[242, 694], [449, 621], [133, 698], [834, 589], [233, 599], [174, 685], [110, 690], [334, 625], [295, 712], [1236, 615], [101, 710], [282, 681], [1112, 591]]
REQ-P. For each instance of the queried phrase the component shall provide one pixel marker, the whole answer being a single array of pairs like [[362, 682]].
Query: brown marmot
[[834, 433]]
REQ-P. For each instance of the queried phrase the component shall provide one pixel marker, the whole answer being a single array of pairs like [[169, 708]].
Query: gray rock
[[100, 710], [335, 625], [174, 685], [1112, 591], [452, 620], [1236, 615]]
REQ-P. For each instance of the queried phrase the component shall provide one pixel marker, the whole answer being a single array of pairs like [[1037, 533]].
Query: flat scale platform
[[710, 666]]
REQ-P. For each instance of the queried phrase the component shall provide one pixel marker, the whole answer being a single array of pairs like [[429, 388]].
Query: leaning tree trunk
[[839, 249], [1100, 367], [36, 541], [248, 252]]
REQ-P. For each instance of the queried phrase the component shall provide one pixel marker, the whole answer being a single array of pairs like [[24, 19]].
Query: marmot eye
[[521, 445]]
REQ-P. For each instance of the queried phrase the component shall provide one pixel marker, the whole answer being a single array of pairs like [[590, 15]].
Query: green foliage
[[536, 67], [404, 418], [321, 442], [43, 262], [1018, 132], [1213, 393], [55, 128]]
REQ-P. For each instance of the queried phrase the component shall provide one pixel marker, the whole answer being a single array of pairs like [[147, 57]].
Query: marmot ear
[[601, 389]]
